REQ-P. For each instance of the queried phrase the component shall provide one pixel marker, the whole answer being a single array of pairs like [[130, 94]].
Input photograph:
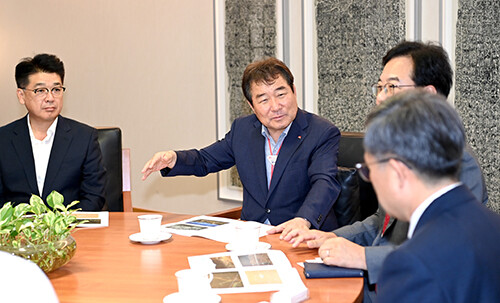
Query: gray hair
[[420, 129]]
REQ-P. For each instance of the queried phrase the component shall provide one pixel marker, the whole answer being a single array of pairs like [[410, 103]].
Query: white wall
[[146, 66]]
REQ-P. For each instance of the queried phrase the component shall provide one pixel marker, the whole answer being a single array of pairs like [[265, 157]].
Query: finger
[[146, 167], [275, 230], [145, 175], [297, 240], [313, 243], [291, 235]]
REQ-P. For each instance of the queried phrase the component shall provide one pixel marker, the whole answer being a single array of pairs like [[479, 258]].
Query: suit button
[[268, 211], [319, 218]]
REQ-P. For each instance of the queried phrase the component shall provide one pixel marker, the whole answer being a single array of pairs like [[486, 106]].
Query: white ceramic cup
[[150, 225], [246, 236], [193, 281]]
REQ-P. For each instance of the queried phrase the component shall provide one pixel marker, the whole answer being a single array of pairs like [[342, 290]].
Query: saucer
[[138, 237], [260, 246], [177, 297]]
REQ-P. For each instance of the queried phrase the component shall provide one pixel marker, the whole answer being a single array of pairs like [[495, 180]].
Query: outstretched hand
[[159, 161], [313, 238], [286, 227]]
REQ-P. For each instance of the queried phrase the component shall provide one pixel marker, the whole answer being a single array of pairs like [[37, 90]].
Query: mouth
[[278, 117], [49, 109]]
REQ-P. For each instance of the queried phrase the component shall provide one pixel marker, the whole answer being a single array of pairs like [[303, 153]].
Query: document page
[[235, 272], [214, 228]]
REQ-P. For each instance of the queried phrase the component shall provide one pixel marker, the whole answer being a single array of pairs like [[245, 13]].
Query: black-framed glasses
[[364, 170], [388, 88], [42, 92]]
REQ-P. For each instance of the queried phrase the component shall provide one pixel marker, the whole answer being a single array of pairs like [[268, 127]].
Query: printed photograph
[[207, 222], [255, 260], [223, 262], [226, 280], [182, 226], [263, 277]]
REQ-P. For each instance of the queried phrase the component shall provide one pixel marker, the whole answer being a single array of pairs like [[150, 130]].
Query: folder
[[320, 270]]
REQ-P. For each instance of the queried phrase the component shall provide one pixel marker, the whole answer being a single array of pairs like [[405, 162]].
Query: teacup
[[246, 235], [150, 225], [193, 281]]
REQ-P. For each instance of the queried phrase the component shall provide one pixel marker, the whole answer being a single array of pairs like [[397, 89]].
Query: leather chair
[[110, 141], [357, 199]]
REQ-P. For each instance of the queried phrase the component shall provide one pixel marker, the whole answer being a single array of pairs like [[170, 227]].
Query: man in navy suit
[[365, 244], [286, 157], [44, 151], [413, 149]]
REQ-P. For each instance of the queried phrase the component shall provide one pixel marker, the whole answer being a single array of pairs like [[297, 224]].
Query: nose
[[381, 96], [49, 97], [275, 104]]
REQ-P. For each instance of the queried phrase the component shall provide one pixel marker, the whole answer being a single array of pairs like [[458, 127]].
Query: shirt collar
[[50, 132], [265, 132], [419, 211]]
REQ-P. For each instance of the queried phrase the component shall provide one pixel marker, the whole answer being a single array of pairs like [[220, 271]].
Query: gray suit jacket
[[368, 232]]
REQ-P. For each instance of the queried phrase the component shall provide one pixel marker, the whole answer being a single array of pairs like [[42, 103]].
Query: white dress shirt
[[419, 211], [41, 152]]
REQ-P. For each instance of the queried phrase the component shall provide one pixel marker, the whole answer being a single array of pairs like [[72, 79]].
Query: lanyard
[[272, 158]]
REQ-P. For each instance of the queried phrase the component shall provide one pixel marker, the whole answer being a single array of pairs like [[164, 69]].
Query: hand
[[342, 252], [314, 238], [159, 161], [286, 227]]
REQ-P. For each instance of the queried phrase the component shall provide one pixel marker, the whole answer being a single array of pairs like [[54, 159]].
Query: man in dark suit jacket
[[286, 158], [366, 244], [413, 149], [44, 151]]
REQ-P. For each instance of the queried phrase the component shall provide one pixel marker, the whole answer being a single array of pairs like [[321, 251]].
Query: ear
[[250, 104], [401, 172], [430, 89], [20, 96]]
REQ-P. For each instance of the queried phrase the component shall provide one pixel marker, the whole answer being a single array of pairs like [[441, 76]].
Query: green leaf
[[56, 200], [6, 213], [21, 209], [37, 205]]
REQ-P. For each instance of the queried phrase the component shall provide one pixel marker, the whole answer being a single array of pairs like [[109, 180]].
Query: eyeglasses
[[42, 92], [364, 170], [388, 88]]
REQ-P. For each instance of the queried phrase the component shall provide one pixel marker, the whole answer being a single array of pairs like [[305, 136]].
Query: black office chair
[[357, 199], [110, 141]]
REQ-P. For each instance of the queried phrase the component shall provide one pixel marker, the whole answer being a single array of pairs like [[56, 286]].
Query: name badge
[[272, 159]]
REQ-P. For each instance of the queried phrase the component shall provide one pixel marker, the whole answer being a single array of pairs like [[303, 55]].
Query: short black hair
[[431, 65], [421, 129], [267, 71], [41, 63]]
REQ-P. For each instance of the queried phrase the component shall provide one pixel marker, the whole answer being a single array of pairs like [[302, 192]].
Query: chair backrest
[[357, 199], [110, 141]]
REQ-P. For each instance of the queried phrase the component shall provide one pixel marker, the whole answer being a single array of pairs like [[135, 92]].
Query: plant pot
[[48, 256]]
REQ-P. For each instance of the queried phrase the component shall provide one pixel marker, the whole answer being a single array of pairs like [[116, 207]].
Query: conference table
[[108, 267]]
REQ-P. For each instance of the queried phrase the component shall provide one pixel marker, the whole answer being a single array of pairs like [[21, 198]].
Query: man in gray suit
[[367, 243]]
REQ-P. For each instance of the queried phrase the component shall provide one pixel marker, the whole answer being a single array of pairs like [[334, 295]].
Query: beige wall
[[146, 66]]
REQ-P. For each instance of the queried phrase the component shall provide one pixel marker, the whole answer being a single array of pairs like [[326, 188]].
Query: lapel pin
[[300, 137]]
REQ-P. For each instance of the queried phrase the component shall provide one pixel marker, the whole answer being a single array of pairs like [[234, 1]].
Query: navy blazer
[[75, 167], [303, 183], [453, 256]]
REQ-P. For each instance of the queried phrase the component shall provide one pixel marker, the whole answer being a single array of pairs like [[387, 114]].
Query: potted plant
[[39, 233]]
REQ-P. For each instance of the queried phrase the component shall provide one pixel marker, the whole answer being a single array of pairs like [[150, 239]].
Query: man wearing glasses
[[413, 151], [367, 243], [44, 151]]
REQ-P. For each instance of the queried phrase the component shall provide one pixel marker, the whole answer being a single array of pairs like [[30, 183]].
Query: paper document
[[248, 272], [214, 228], [93, 218]]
